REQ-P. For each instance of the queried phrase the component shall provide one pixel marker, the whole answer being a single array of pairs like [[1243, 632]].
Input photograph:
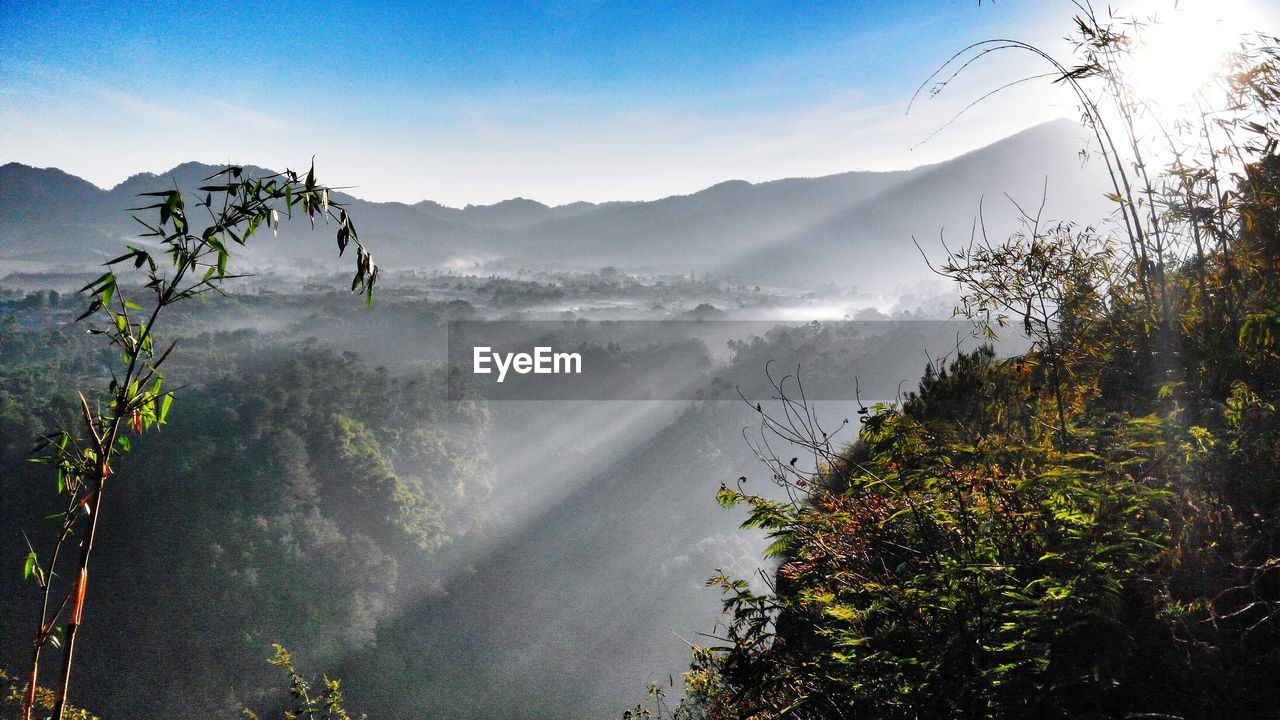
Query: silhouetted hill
[[839, 227], [46, 209], [875, 234]]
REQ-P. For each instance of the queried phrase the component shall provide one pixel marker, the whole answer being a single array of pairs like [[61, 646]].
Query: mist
[[555, 556]]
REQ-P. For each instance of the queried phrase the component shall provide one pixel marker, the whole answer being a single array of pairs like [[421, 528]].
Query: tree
[[136, 398], [1086, 530]]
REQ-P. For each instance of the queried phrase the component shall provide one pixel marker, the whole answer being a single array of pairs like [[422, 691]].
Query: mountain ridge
[[182, 168], [757, 231]]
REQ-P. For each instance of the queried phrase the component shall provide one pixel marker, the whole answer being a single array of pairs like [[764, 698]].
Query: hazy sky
[[555, 100]]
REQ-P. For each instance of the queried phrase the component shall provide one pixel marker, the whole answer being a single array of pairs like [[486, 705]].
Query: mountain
[[46, 207], [835, 228], [943, 203]]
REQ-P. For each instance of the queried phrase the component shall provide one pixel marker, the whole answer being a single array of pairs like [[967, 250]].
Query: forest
[[1066, 507], [1084, 530]]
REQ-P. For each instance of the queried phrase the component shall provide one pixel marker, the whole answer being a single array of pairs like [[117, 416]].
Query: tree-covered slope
[[1086, 530]]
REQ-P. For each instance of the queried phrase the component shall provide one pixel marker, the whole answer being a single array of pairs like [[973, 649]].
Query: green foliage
[[323, 703], [136, 398], [13, 696], [953, 579], [236, 532], [394, 507], [657, 707], [1083, 531]]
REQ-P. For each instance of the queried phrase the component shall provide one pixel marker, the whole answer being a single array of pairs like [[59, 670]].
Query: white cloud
[[602, 145]]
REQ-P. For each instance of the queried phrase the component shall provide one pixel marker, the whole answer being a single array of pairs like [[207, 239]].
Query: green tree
[[1086, 530], [136, 399]]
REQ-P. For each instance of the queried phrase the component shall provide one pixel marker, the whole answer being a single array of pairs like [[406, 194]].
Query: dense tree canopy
[[287, 501]]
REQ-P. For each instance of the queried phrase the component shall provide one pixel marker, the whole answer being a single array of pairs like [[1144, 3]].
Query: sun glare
[[1183, 47]]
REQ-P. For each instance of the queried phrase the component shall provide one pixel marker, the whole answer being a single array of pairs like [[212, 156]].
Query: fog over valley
[[568, 359], [548, 552]]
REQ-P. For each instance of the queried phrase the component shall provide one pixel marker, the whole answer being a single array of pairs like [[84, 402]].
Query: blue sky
[[556, 100]]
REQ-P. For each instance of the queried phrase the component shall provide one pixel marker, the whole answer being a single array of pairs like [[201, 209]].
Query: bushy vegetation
[[1087, 530], [308, 701], [293, 497], [281, 506], [13, 697]]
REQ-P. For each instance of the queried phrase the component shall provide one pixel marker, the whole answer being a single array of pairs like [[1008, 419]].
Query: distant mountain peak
[[836, 227], [187, 175], [40, 188], [20, 170], [511, 204], [725, 186], [1060, 129]]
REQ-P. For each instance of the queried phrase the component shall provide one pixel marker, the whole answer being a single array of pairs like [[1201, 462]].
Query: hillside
[[876, 232], [838, 227]]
